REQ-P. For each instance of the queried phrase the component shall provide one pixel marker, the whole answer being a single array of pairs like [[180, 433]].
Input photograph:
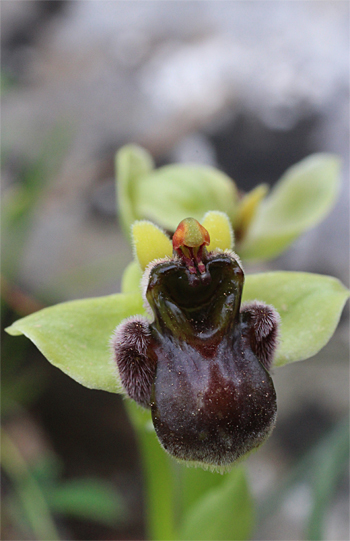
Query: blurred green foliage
[[36, 497]]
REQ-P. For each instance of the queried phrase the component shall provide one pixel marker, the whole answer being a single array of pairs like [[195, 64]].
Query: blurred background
[[249, 87]]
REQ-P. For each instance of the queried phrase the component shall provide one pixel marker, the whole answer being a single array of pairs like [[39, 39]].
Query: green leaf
[[310, 306], [88, 499], [174, 192], [74, 336], [223, 513], [132, 162], [301, 199], [329, 467], [195, 482]]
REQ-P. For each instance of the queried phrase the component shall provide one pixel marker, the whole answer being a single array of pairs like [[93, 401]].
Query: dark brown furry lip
[[202, 365]]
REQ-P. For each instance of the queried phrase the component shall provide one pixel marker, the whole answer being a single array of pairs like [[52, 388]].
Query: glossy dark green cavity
[[212, 399]]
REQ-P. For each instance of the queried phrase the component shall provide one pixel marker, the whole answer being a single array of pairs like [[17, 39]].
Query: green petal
[[74, 336], [220, 231], [248, 207], [310, 306], [171, 193], [302, 198], [150, 243]]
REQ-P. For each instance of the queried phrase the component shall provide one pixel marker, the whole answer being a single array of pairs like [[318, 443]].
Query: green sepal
[[131, 162], [301, 199], [174, 192]]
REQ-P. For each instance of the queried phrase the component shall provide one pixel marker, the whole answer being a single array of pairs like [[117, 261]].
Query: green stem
[[29, 492], [158, 477]]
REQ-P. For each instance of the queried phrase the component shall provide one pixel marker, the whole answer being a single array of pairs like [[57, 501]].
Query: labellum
[[202, 364]]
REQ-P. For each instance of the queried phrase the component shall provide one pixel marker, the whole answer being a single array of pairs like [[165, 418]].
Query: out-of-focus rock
[[176, 77]]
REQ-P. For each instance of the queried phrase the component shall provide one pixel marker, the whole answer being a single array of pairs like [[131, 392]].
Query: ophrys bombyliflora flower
[[202, 364]]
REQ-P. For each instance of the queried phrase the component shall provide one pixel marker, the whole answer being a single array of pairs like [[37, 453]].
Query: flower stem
[[158, 477]]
